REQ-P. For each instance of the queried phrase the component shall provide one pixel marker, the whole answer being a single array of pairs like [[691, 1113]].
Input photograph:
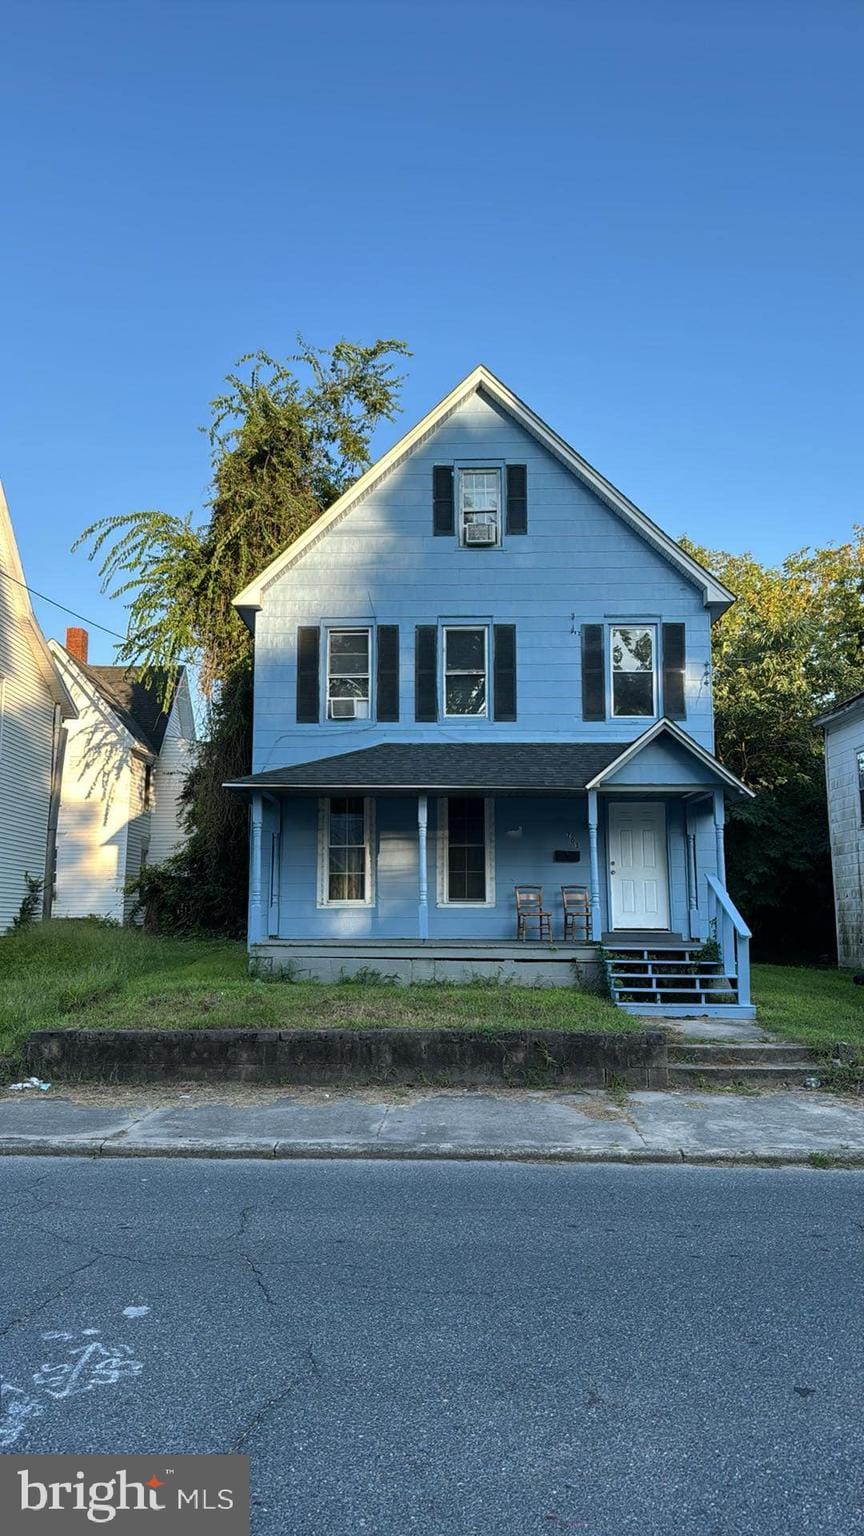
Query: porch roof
[[533, 767]]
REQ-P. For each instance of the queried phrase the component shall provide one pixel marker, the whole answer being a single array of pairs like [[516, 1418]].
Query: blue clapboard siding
[[527, 833], [383, 564]]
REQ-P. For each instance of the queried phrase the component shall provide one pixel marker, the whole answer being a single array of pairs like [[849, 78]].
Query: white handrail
[[733, 936]]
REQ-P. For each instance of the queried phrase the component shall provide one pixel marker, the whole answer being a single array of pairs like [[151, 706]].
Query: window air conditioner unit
[[349, 709], [481, 533]]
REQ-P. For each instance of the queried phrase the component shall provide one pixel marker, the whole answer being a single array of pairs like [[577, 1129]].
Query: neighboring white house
[[34, 704], [126, 759], [844, 775]]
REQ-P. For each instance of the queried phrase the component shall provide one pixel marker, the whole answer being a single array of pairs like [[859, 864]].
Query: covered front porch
[[404, 860]]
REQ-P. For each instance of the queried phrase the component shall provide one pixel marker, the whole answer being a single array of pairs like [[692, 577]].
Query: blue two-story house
[[485, 668]]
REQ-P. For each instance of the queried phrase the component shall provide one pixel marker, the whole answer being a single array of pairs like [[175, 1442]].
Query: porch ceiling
[[500, 768]]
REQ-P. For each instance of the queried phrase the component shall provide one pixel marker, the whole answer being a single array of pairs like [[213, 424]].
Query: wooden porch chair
[[577, 911], [530, 913]]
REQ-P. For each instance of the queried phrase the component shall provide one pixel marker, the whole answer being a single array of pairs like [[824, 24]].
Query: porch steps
[[724, 1065], [671, 978]]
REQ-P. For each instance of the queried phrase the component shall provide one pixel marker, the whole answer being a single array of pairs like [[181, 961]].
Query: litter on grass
[[29, 1082]]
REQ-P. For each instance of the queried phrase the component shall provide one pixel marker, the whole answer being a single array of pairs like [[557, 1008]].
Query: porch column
[[692, 892], [256, 884], [719, 825], [596, 920], [422, 868]]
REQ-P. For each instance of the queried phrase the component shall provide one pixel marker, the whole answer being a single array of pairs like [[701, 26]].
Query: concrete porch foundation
[[407, 961]]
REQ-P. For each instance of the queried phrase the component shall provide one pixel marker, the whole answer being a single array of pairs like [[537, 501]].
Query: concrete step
[[727, 1053], [757, 1074]]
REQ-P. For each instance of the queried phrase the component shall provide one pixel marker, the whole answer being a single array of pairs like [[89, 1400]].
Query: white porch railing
[[733, 936]]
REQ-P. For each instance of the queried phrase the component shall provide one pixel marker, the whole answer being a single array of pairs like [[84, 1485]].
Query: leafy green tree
[[283, 448], [791, 645]]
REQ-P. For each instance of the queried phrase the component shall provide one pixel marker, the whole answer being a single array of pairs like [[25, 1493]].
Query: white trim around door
[[638, 865]]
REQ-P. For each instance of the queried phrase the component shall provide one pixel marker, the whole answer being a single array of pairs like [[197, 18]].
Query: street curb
[[840, 1159]]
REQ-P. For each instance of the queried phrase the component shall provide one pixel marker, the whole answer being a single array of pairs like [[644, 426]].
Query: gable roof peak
[[715, 594]]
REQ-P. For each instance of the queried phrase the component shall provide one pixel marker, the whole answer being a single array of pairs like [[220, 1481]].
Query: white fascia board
[[715, 594], [68, 667], [669, 728], [19, 601], [51, 674]]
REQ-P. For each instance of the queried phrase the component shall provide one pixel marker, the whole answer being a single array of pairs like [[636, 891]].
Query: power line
[[62, 606]]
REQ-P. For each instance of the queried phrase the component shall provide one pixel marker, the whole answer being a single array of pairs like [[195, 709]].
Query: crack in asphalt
[[272, 1403], [69, 1277], [259, 1279]]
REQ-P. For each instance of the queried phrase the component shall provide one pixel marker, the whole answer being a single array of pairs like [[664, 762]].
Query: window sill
[[356, 906]]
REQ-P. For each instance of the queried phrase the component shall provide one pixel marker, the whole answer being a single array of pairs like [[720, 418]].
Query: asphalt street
[[484, 1349]]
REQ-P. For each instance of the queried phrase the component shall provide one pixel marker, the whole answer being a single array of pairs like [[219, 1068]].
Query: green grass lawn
[[814, 1007], [82, 975]]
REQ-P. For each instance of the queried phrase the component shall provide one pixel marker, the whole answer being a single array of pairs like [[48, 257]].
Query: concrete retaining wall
[[479, 1058]]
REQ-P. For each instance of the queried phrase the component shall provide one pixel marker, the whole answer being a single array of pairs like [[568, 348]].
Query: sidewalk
[[788, 1127]]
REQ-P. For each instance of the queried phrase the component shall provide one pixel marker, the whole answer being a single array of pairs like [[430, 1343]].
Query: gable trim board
[[669, 728], [97, 701], [715, 594], [839, 711], [19, 596]]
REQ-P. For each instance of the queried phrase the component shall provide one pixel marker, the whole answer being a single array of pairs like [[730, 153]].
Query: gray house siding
[[844, 739]]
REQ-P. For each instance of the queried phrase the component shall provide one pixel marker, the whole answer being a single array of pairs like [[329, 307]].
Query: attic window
[[479, 507]]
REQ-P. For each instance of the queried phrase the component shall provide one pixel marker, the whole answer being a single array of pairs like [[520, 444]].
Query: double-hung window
[[465, 670], [345, 852], [348, 674], [860, 760], [634, 670], [465, 858], [479, 506]]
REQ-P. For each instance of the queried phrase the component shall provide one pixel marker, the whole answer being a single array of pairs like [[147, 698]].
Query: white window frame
[[324, 898], [610, 640], [859, 783], [447, 629], [442, 849], [348, 629], [479, 469]]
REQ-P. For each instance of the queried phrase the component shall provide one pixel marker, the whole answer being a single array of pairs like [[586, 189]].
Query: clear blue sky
[[645, 215]]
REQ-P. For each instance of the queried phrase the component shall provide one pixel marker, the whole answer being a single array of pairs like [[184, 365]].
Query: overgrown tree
[[284, 446], [791, 645]]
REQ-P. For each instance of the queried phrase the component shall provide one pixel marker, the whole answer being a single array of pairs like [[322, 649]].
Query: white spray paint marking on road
[[16, 1408], [89, 1366]]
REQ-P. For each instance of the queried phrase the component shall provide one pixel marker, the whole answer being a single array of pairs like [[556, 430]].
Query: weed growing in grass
[[365, 976]]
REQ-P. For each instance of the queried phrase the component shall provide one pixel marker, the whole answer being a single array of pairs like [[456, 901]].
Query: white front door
[[638, 877]]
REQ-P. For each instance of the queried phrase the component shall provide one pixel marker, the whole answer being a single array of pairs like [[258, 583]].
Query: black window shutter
[[387, 679], [308, 684], [442, 500], [517, 498], [593, 673], [504, 666], [674, 671], [425, 672]]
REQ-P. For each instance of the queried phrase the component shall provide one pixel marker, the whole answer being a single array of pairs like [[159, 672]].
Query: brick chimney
[[77, 641]]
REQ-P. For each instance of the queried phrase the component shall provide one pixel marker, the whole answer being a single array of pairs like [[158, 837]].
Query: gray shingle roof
[[505, 767], [137, 705]]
